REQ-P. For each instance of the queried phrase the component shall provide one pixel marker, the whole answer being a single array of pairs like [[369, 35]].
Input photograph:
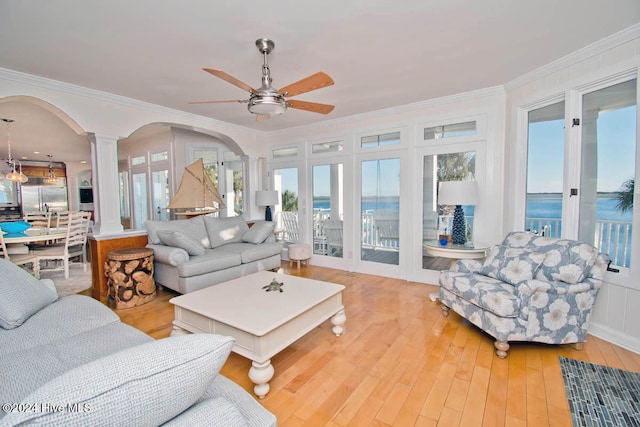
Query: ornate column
[[106, 190]]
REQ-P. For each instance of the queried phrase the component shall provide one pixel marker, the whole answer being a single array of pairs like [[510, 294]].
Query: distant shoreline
[[602, 194]]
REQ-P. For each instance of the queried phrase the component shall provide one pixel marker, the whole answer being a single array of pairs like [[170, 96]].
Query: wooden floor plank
[[401, 363]]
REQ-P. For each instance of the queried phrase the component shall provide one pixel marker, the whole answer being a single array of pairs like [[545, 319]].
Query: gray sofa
[[192, 254], [70, 361]]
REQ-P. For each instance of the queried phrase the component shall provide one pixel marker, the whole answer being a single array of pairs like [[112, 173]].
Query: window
[[140, 207], [160, 194], [380, 211], [139, 160], [285, 182], [392, 138], [545, 148], [608, 170], [281, 153], [437, 219], [123, 181], [158, 157], [234, 183], [210, 160], [328, 207], [327, 147], [450, 131]]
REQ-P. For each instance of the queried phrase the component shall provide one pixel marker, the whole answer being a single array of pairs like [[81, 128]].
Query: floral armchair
[[529, 288]]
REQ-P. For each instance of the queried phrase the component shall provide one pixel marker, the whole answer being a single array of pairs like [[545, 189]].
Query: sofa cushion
[[193, 228], [212, 260], [182, 241], [136, 386], [225, 230], [259, 232], [485, 292], [33, 367], [21, 295], [511, 265], [211, 412], [66, 317], [250, 252]]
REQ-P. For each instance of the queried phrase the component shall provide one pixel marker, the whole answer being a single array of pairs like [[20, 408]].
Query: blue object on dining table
[[13, 227], [444, 241], [11, 235]]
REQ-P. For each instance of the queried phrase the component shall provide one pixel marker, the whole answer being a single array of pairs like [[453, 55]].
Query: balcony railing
[[611, 237]]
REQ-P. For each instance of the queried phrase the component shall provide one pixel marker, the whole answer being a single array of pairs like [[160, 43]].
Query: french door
[[581, 171], [442, 163], [379, 212]]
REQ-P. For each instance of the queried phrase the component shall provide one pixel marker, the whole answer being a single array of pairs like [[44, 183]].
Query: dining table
[[16, 242]]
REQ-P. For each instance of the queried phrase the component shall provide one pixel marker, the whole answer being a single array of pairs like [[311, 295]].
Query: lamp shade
[[267, 198], [458, 193]]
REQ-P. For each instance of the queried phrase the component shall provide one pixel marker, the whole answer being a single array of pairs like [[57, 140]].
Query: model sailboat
[[196, 193]]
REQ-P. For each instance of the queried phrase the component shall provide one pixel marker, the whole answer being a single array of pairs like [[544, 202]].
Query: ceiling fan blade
[[313, 82], [229, 78], [314, 107], [218, 102]]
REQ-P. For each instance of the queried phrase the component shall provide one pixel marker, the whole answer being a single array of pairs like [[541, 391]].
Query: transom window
[[450, 130], [370, 141]]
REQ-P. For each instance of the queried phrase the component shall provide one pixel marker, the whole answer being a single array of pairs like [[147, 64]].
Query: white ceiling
[[380, 54]]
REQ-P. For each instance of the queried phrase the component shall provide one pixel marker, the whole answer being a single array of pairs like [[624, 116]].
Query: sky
[[616, 152]]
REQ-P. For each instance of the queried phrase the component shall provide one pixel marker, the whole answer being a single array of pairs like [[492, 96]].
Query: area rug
[[600, 395], [78, 280]]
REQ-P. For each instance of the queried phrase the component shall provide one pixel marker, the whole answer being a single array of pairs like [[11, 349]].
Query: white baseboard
[[615, 337]]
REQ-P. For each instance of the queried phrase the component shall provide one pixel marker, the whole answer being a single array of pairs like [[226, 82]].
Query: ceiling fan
[[267, 101]]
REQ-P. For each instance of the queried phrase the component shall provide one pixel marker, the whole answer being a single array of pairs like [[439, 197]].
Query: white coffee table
[[262, 323]]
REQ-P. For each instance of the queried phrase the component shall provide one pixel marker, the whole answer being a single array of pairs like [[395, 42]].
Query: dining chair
[[38, 219], [19, 259], [62, 218], [74, 245]]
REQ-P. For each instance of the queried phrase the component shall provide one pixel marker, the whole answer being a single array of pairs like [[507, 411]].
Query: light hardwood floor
[[400, 363]]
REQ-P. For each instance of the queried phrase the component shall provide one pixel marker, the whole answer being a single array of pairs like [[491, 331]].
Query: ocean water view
[[542, 209]]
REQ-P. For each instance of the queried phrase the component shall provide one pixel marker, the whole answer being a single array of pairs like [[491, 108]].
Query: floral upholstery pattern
[[529, 288]]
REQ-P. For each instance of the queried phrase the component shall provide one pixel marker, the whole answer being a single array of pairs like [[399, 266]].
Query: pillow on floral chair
[[511, 265]]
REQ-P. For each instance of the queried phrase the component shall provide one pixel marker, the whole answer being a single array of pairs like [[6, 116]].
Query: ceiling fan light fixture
[[267, 105]]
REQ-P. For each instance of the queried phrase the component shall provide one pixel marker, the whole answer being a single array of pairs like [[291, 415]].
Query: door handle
[[611, 269]]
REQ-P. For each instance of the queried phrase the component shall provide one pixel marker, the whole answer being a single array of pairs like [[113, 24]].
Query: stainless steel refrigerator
[[37, 196]]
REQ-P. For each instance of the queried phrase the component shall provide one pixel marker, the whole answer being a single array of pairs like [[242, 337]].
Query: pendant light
[[51, 177], [14, 175]]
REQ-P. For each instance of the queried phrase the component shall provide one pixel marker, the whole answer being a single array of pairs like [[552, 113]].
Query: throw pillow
[[182, 241], [225, 230], [568, 261], [193, 228], [21, 295], [511, 265], [259, 232], [144, 385]]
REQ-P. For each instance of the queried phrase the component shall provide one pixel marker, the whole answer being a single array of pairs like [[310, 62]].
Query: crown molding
[[603, 45], [180, 116]]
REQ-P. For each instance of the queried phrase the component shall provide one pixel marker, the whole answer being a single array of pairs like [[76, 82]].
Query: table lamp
[[458, 193], [267, 199]]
